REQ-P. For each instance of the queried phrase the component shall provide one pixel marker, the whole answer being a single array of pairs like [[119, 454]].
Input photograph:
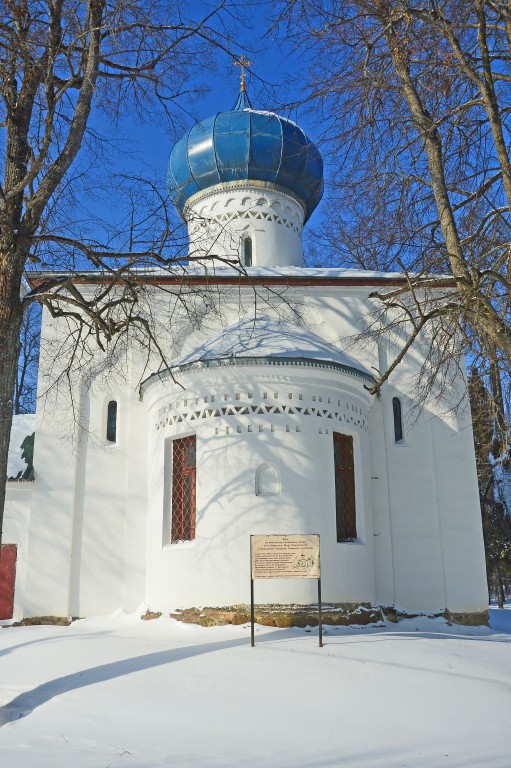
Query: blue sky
[[274, 81], [99, 207]]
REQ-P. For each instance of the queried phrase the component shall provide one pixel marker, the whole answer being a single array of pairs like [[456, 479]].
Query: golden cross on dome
[[242, 62]]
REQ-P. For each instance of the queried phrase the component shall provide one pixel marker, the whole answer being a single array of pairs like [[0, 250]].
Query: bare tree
[[496, 521], [25, 391], [69, 71], [414, 99]]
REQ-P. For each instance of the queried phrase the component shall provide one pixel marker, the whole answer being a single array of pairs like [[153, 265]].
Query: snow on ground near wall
[[117, 691]]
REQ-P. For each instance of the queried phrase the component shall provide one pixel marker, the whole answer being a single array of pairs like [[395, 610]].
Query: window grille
[[111, 422], [183, 489], [398, 419], [345, 509]]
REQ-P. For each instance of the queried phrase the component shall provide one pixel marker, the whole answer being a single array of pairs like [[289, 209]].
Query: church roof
[[246, 144], [267, 340], [211, 274]]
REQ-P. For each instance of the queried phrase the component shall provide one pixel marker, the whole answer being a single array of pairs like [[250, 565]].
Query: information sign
[[295, 556]]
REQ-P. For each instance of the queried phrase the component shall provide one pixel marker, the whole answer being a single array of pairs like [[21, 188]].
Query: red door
[[8, 554]]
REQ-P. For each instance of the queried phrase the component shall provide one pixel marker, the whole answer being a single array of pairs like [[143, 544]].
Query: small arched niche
[[267, 480]]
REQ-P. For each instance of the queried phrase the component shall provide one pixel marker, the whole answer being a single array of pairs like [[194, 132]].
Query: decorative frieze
[[257, 215], [234, 404]]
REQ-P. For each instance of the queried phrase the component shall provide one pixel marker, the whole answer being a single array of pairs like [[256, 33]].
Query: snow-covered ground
[[117, 691]]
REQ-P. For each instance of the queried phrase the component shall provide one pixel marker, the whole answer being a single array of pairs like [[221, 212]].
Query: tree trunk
[[500, 587], [500, 427], [10, 322]]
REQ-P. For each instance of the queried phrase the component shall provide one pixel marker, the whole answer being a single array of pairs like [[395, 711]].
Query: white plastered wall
[[219, 219], [426, 501], [214, 568], [420, 531], [15, 529], [85, 551]]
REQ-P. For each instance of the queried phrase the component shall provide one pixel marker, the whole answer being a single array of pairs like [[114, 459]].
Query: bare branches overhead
[[415, 97], [69, 72]]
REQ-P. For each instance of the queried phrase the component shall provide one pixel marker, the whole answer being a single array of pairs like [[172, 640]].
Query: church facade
[[261, 422]]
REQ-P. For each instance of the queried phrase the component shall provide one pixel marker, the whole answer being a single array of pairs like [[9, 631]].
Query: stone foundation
[[468, 619], [344, 615], [283, 615], [33, 621]]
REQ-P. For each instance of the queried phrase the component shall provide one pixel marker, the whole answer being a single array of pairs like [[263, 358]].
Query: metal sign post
[[252, 641], [320, 622], [295, 556]]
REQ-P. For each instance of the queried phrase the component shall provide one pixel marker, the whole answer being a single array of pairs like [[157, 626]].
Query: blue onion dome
[[246, 144]]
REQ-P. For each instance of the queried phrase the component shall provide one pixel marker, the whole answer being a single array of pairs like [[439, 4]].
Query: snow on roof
[[329, 273], [17, 464], [212, 271], [227, 271], [269, 338]]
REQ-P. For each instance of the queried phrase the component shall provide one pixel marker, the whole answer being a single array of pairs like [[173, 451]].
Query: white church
[[148, 490]]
